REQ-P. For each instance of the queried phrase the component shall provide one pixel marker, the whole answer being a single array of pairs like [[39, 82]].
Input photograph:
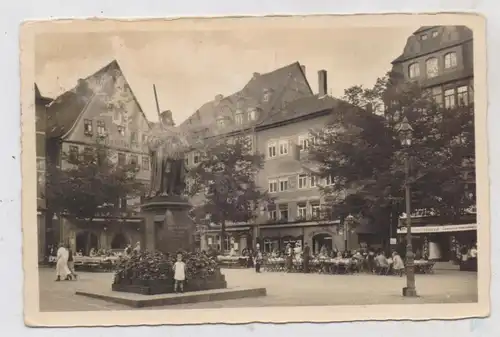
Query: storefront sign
[[440, 229]]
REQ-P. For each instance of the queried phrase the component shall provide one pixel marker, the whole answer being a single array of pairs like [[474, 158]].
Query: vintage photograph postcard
[[259, 169]]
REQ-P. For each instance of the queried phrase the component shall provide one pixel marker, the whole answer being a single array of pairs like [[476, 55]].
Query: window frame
[[283, 182], [302, 208], [415, 66], [273, 182], [463, 94], [304, 142], [449, 61], [427, 62], [238, 118], [284, 145], [88, 127], [302, 177], [452, 96], [101, 128], [272, 144], [145, 163]]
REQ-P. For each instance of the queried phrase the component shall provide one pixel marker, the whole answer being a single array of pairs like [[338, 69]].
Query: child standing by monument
[[179, 274]]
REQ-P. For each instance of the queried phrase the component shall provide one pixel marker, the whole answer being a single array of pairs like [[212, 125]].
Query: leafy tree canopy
[[91, 182], [225, 178], [360, 149]]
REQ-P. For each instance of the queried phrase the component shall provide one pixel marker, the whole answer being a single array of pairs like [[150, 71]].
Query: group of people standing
[[65, 264]]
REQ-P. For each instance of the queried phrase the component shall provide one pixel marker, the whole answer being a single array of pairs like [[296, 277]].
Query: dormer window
[[121, 130], [267, 96], [220, 122], [238, 118], [101, 128], [423, 37], [435, 33], [87, 127], [252, 114]]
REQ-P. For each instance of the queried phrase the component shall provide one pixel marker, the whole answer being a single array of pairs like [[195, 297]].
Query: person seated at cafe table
[[398, 265], [382, 263]]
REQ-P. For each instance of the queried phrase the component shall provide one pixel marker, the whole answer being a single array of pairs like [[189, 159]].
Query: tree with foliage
[[360, 149], [90, 184], [226, 179]]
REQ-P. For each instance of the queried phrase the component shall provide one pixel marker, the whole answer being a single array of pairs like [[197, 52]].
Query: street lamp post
[[405, 132]]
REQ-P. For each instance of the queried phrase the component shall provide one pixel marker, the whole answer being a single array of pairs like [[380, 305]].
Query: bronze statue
[[167, 146]]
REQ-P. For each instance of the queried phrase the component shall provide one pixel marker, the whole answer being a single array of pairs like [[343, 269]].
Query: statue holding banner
[[167, 147]]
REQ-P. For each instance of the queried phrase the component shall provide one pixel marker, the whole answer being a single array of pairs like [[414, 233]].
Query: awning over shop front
[[229, 229], [439, 229]]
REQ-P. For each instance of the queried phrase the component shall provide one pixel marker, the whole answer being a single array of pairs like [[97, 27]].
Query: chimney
[[303, 67], [322, 83]]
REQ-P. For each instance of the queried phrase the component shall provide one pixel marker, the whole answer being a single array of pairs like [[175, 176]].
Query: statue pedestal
[[168, 226]]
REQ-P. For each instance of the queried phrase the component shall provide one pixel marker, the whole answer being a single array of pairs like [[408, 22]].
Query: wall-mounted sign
[[440, 229]]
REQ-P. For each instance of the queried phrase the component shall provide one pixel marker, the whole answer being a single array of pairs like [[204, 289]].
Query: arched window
[[432, 67], [414, 70], [450, 60]]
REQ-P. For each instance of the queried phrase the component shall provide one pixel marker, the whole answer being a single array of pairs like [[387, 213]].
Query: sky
[[191, 67]]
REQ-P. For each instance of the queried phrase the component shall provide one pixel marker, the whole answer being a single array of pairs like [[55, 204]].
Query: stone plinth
[[168, 227]]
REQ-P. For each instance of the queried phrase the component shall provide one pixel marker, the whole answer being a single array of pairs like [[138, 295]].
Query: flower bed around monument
[[150, 273]]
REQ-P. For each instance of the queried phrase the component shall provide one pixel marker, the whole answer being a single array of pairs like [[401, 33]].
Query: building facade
[[40, 115], [101, 108], [281, 133], [440, 59]]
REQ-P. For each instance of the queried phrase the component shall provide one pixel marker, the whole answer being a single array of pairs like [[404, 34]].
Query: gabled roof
[[301, 108], [39, 98], [423, 29], [252, 93], [64, 111]]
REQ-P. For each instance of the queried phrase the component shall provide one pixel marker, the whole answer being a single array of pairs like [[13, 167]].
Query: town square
[[292, 178]]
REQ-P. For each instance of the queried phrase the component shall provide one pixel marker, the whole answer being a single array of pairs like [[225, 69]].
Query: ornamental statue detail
[[167, 146]]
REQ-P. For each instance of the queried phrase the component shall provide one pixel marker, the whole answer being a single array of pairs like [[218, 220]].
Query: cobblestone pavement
[[282, 290]]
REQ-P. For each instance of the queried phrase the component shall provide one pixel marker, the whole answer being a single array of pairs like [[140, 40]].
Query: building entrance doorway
[[119, 241]]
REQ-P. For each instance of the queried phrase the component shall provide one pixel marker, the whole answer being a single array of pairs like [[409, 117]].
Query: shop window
[[449, 99], [463, 95]]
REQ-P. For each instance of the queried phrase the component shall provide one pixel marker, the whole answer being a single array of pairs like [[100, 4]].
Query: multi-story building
[[242, 112], [101, 108], [440, 59], [40, 115], [285, 111], [288, 176]]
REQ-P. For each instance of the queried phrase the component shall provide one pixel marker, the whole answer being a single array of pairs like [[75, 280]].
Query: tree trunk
[[222, 235]]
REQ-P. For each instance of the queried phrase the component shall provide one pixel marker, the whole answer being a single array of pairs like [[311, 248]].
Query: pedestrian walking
[[71, 263], [257, 258], [179, 274], [62, 270], [307, 255]]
